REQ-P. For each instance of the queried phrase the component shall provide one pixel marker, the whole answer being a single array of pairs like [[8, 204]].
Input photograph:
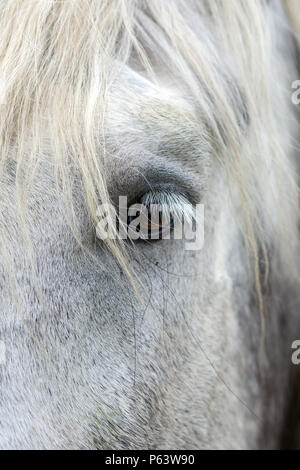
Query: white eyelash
[[170, 203]]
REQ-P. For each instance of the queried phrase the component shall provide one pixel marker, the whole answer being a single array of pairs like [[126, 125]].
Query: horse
[[112, 343]]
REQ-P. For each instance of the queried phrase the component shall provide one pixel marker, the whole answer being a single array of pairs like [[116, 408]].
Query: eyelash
[[171, 206]]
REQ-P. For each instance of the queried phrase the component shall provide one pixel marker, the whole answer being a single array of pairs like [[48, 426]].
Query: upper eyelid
[[164, 177], [149, 172]]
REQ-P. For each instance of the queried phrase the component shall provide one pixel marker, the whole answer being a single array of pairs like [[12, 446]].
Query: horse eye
[[153, 217]]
